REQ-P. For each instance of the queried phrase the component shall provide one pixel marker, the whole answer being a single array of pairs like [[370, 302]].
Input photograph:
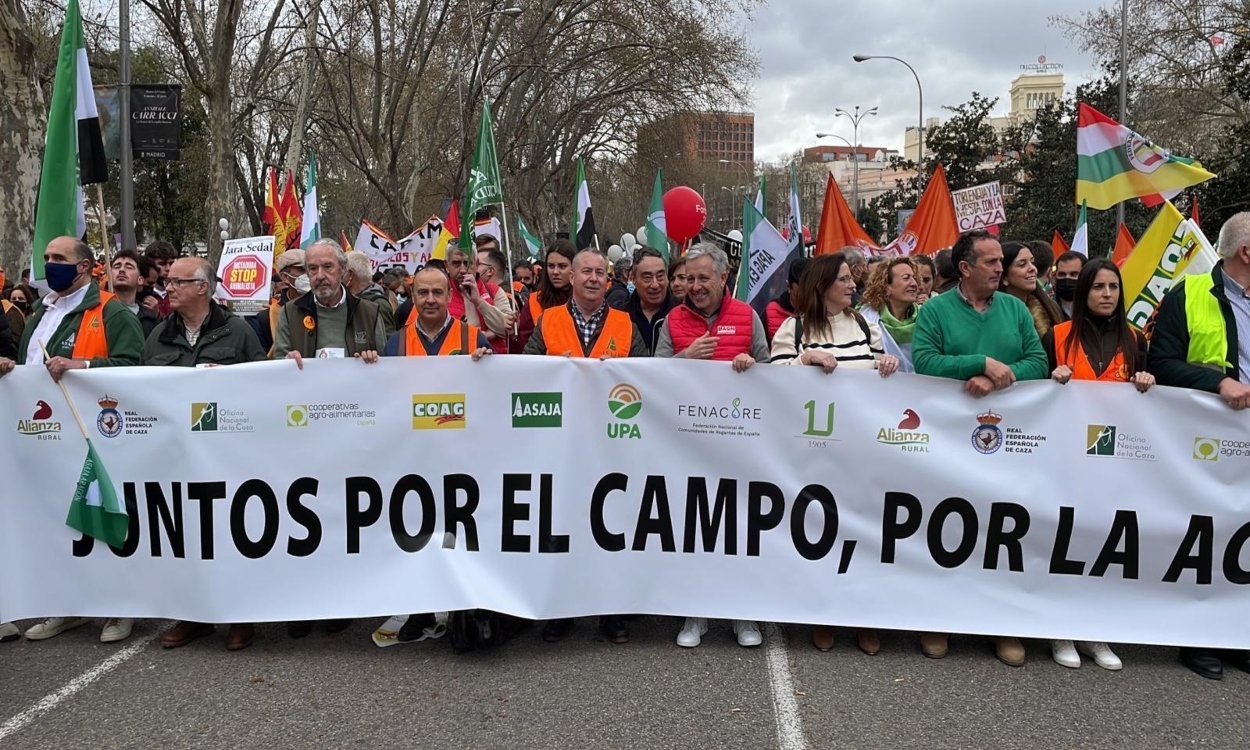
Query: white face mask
[[401, 298], [302, 284]]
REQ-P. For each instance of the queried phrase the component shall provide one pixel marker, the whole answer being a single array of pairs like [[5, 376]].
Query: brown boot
[[822, 637], [1009, 650], [868, 641], [240, 636], [184, 632], [934, 645]]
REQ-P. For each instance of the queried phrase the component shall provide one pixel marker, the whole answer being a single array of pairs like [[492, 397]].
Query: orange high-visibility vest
[[415, 347], [561, 337], [1116, 372], [91, 341]]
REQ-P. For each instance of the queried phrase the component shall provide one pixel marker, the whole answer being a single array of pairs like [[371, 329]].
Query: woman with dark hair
[[1097, 344], [1020, 281], [553, 289], [783, 307], [926, 276], [890, 301], [677, 283]]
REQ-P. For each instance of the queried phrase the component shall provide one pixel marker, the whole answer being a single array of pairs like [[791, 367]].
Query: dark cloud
[[956, 47]]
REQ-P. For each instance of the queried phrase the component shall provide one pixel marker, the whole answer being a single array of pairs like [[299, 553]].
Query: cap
[[292, 257]]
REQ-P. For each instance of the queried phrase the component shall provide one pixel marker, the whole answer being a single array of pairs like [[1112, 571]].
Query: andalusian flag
[[484, 186], [759, 196], [310, 231], [765, 253], [657, 227], [583, 230], [95, 510], [533, 245], [1080, 240], [73, 150], [1114, 164]]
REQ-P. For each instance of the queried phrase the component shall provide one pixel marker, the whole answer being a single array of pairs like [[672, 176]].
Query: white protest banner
[[410, 253], [979, 207], [245, 273], [260, 492]]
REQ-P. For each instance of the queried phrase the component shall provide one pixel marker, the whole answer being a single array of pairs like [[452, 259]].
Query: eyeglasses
[[180, 282]]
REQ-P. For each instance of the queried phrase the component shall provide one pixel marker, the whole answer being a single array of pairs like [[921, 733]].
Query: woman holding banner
[[891, 300], [1097, 344], [1020, 280], [554, 288]]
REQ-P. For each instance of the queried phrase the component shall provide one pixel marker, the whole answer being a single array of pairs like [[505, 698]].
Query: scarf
[[900, 330]]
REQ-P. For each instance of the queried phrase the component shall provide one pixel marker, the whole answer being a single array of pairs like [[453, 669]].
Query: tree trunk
[[220, 167], [22, 123], [299, 122]]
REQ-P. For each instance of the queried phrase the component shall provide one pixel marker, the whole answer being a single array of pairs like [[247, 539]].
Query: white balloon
[[615, 253], [628, 241], [641, 236], [735, 235], [223, 223], [224, 235]]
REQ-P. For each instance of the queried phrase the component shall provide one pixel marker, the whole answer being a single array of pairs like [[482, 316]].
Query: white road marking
[[785, 707], [52, 700]]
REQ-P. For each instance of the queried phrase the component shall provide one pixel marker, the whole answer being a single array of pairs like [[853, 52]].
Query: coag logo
[[204, 416], [297, 415], [110, 421], [1206, 449], [537, 409], [40, 423], [1100, 440], [438, 411], [625, 402]]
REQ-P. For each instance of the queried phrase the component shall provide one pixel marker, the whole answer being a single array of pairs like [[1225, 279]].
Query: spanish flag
[[449, 235]]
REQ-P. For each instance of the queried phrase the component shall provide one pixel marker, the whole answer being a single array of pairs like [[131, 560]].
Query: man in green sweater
[[985, 338]]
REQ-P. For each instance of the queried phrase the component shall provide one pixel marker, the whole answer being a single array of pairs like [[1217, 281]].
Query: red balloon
[[685, 213]]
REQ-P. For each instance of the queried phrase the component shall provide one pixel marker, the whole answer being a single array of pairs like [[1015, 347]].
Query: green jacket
[[952, 340], [1169, 341], [225, 339], [121, 329], [378, 296]]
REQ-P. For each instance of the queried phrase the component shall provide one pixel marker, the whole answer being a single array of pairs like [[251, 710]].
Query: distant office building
[[702, 137]]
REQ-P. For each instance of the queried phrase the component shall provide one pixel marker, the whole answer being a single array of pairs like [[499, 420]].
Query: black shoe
[[1203, 663], [299, 629], [338, 626], [415, 627], [557, 630], [1238, 659], [614, 629]]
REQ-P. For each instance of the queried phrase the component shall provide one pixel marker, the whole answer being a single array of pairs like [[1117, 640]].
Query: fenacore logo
[[734, 419], [987, 438], [537, 409], [40, 425], [301, 415], [732, 410], [204, 416], [625, 402], [907, 435], [1109, 441], [438, 411], [110, 421]]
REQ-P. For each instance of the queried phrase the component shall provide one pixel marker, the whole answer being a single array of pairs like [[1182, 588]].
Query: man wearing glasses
[[650, 302]]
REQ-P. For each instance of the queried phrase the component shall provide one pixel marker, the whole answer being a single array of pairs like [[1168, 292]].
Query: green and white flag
[[74, 151], [764, 253], [759, 196], [310, 230], [657, 232], [533, 245], [1080, 240], [484, 187], [583, 229], [96, 510]]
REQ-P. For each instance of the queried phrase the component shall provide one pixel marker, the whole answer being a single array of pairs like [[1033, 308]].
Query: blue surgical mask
[[60, 276], [630, 287]]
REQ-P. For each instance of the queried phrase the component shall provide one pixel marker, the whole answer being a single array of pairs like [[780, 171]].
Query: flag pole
[[65, 392], [507, 249], [104, 240]]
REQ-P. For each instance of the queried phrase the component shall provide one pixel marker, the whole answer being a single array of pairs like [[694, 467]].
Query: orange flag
[[1058, 244], [838, 227], [1124, 244], [933, 226], [1193, 210]]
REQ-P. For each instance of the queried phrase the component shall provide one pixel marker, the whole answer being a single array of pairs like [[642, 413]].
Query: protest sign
[[979, 207], [245, 274]]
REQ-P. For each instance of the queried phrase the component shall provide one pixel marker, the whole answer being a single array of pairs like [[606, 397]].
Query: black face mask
[[1065, 289]]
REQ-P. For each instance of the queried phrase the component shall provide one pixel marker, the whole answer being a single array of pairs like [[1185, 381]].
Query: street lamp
[[919, 89], [855, 119], [748, 175]]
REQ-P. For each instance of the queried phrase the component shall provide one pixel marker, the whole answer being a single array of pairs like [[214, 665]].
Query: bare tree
[[22, 122]]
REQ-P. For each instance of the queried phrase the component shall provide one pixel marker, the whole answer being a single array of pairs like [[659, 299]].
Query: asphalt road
[[342, 691]]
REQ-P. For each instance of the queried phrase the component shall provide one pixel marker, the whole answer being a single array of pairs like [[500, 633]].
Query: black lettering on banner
[[460, 515], [998, 537], [399, 494], [1232, 557], [548, 541], [1201, 533], [953, 506], [758, 521], [304, 516], [206, 493], [894, 529], [513, 511], [1123, 527], [654, 517], [814, 493], [82, 546], [238, 515], [170, 520], [705, 520], [358, 517], [133, 532], [607, 541], [1059, 562]]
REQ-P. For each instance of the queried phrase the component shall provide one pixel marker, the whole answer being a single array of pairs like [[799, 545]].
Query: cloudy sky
[[956, 46]]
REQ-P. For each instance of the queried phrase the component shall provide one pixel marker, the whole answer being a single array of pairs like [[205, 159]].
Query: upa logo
[[40, 425], [110, 422], [438, 411], [625, 402]]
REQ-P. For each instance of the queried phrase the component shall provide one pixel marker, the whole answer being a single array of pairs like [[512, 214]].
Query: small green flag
[[484, 186], [583, 228], [95, 509], [533, 245], [657, 234]]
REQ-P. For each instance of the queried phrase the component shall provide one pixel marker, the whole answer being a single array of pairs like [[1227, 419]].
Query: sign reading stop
[[244, 276]]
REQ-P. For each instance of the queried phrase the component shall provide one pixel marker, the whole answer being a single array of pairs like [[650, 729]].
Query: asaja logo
[[438, 411], [1100, 440], [625, 402], [297, 415], [204, 416], [110, 421], [987, 438], [537, 409], [1207, 449], [907, 435], [40, 424]]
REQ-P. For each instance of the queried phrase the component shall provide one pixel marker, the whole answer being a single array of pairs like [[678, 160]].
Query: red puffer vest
[[733, 327]]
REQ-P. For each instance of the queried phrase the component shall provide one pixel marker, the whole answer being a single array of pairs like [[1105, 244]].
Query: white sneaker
[[748, 633], [116, 629], [9, 632], [54, 626], [1102, 655], [692, 632], [1065, 654]]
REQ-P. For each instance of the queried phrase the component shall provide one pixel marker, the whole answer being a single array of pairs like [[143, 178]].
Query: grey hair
[[358, 264], [854, 256], [720, 261], [339, 255], [590, 251], [1234, 235], [205, 272]]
